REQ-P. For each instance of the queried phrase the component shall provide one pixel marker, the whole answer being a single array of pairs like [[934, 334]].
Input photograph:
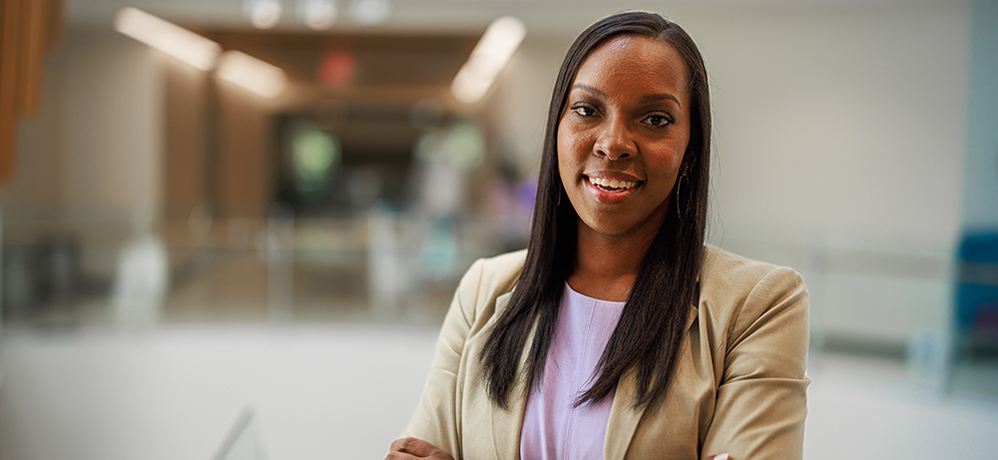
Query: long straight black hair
[[651, 327]]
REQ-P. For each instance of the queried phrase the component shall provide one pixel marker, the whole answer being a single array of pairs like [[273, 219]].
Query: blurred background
[[231, 228]]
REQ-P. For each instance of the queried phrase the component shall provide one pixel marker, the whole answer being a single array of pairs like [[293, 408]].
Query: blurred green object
[[317, 155]]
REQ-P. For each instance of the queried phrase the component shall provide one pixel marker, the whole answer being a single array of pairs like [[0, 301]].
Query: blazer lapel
[[506, 424], [624, 417]]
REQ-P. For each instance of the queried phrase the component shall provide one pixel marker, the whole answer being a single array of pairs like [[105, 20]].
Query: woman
[[617, 334]]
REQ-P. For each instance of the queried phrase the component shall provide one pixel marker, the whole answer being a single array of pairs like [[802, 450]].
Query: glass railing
[[380, 267]]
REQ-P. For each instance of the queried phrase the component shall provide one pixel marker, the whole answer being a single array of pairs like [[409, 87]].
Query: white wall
[[844, 123], [94, 150], [838, 130], [111, 123]]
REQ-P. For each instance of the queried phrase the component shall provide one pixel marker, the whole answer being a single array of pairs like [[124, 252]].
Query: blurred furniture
[[977, 296]]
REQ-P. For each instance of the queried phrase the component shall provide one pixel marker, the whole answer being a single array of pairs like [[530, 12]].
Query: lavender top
[[553, 428]]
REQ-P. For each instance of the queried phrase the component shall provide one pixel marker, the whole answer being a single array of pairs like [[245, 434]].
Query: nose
[[615, 141]]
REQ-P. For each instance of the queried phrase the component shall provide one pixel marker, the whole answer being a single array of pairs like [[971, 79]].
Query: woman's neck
[[607, 265]]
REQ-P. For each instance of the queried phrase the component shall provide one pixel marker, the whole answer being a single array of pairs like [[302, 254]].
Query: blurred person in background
[[618, 333]]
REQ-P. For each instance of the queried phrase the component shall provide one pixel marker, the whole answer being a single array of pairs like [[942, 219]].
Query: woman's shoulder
[[497, 271], [753, 322], [505, 265], [489, 278], [722, 268], [735, 286]]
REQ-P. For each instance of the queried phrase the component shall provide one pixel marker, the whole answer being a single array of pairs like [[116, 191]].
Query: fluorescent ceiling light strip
[[167, 37], [489, 57], [252, 74]]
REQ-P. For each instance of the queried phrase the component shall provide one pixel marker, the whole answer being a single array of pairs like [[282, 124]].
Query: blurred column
[[980, 169], [3, 279], [280, 262], [815, 272], [384, 271], [141, 282]]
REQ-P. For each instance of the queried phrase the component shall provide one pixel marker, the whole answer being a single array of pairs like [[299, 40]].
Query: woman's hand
[[723, 456], [412, 448]]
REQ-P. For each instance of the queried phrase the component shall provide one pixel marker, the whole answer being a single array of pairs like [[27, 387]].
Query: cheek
[[567, 152], [564, 140], [572, 143], [668, 166], [673, 153]]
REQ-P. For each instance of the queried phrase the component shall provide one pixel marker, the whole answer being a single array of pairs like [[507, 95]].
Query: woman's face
[[622, 136]]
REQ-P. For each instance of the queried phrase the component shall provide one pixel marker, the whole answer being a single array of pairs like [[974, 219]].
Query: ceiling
[[375, 60], [544, 17]]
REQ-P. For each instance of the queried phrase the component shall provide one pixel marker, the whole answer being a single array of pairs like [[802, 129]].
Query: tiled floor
[[345, 391]]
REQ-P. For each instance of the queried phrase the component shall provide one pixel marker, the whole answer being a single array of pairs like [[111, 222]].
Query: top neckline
[[576, 294]]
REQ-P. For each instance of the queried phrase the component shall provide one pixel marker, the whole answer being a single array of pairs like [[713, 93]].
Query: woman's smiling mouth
[[611, 185]]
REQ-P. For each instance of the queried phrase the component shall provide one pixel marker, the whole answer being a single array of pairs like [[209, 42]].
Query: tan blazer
[[739, 385]]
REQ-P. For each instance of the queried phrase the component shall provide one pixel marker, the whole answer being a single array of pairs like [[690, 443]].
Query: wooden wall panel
[[35, 36], [54, 19], [243, 170], [185, 157], [27, 29], [9, 21]]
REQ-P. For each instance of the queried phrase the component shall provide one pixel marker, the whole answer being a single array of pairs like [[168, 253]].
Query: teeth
[[612, 183]]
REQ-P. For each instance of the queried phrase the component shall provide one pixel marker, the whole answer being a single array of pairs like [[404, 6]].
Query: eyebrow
[[642, 100]]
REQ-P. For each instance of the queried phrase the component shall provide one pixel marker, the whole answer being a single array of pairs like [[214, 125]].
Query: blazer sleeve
[[437, 417], [761, 401]]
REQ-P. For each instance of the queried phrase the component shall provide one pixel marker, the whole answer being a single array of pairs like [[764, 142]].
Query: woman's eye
[[658, 120], [584, 111]]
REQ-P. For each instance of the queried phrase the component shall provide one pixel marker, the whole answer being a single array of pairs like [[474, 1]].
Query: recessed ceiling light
[[317, 14], [370, 12], [263, 14]]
